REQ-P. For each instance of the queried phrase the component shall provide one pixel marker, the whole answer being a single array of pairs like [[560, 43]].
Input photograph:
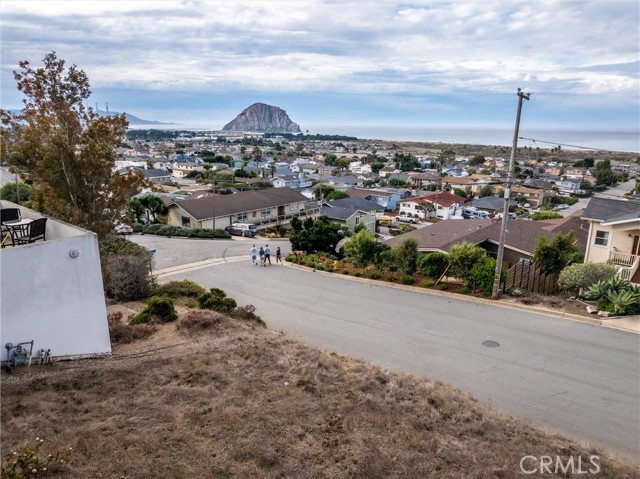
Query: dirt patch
[[242, 401]]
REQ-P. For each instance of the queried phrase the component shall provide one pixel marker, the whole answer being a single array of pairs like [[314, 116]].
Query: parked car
[[560, 207], [406, 219], [242, 229], [123, 229]]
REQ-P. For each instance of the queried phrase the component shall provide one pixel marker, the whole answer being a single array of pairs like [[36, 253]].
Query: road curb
[[471, 299]]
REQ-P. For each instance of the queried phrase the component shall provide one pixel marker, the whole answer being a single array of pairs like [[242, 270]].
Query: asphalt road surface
[[578, 379]]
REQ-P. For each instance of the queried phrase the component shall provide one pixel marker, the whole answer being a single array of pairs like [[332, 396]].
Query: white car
[[123, 229], [406, 219]]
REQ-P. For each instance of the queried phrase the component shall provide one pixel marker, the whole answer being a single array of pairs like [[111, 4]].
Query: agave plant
[[598, 290], [622, 299], [617, 284]]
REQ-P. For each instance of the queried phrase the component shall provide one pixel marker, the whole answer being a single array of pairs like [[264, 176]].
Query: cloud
[[323, 47]]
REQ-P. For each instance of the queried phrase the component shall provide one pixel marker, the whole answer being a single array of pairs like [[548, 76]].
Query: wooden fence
[[527, 277]]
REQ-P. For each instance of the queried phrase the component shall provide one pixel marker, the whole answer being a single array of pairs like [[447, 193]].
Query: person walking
[[254, 254], [267, 255], [278, 255], [261, 254]]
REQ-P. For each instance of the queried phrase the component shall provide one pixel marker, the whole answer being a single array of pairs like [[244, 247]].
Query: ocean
[[608, 140]]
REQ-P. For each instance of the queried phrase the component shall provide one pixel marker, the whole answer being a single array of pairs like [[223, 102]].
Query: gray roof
[[522, 235], [489, 203], [337, 213], [610, 210], [225, 205], [356, 204]]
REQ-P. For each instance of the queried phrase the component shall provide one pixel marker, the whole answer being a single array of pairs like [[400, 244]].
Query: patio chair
[[7, 214], [35, 231]]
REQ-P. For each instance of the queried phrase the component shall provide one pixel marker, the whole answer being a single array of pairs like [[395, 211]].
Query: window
[[241, 217], [185, 221], [266, 212], [294, 207], [602, 238]]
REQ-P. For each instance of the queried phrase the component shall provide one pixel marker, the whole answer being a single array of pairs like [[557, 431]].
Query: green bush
[[311, 260], [482, 274], [407, 279], [346, 271], [545, 215], [406, 255], [463, 256], [433, 264], [443, 286], [216, 300], [357, 274], [426, 283], [580, 276], [391, 278], [374, 275], [291, 258], [179, 289], [464, 290], [616, 296], [158, 308]]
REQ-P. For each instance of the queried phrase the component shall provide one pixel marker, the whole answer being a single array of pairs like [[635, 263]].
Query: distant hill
[[133, 120], [262, 117]]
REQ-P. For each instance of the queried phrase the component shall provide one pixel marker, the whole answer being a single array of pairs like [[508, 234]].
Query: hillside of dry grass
[[227, 398]]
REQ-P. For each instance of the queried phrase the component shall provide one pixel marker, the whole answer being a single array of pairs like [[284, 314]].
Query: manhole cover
[[491, 344]]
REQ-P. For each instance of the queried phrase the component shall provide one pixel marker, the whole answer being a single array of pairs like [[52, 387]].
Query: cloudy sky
[[435, 63]]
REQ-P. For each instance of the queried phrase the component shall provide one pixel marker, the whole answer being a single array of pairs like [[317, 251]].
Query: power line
[[571, 146]]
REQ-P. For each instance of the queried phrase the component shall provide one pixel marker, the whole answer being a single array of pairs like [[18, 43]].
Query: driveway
[[578, 379]]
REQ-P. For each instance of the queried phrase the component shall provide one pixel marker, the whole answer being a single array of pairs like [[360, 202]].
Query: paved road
[[579, 379]]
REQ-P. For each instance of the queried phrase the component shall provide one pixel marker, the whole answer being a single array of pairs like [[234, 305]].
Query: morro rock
[[262, 117]]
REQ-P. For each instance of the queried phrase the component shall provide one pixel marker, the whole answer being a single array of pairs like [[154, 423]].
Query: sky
[[450, 64]]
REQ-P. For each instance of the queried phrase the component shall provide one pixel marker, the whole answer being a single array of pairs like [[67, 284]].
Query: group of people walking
[[264, 255]]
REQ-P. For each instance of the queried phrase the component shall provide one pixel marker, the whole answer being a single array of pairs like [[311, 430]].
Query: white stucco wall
[[54, 299]]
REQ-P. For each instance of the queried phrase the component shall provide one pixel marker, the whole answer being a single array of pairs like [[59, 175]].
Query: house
[[51, 292], [290, 181], [181, 170], [568, 186], [491, 204], [349, 217], [387, 199], [443, 205], [156, 175], [614, 234], [357, 204], [426, 180], [261, 207], [520, 240], [534, 196]]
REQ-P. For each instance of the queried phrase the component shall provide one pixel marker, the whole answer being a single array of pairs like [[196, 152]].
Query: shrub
[[464, 290], [199, 319], [482, 274], [311, 260], [580, 276], [515, 292], [463, 256], [545, 215], [391, 278], [433, 264], [426, 283], [23, 462], [179, 289], [346, 271], [248, 313], [407, 279], [443, 286], [126, 269], [159, 308], [361, 248], [122, 333], [217, 300], [406, 255], [374, 275], [291, 258], [616, 295], [357, 274], [556, 254]]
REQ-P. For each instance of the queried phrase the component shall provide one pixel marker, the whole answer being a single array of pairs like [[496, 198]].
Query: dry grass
[[223, 397]]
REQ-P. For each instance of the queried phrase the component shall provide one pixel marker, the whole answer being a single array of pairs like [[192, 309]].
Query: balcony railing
[[623, 259]]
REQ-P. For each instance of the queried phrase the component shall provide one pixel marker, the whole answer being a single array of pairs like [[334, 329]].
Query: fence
[[528, 277]]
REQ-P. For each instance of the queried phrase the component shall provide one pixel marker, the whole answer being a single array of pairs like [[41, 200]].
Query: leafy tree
[[556, 254], [361, 248], [445, 156], [477, 160], [462, 257], [603, 173], [331, 159], [67, 149], [154, 207], [314, 235], [460, 192], [336, 195], [482, 274], [135, 210], [485, 191], [406, 255], [433, 264], [405, 161], [377, 166]]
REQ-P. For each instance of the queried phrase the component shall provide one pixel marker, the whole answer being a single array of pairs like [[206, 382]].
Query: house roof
[[224, 205], [356, 204], [489, 203], [442, 198], [521, 234], [363, 193], [579, 227], [612, 211], [339, 213]]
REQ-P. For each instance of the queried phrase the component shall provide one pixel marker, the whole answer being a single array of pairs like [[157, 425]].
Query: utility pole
[[507, 194]]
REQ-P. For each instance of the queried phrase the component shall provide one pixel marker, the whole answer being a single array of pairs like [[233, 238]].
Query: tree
[[462, 257], [603, 173], [67, 149], [17, 193], [545, 215], [580, 276], [444, 157], [406, 255], [336, 195], [314, 235], [361, 248], [556, 254]]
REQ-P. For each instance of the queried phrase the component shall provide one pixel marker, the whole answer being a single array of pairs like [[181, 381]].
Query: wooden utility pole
[[507, 193]]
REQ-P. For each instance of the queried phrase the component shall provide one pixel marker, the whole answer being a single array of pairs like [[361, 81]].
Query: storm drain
[[491, 344]]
